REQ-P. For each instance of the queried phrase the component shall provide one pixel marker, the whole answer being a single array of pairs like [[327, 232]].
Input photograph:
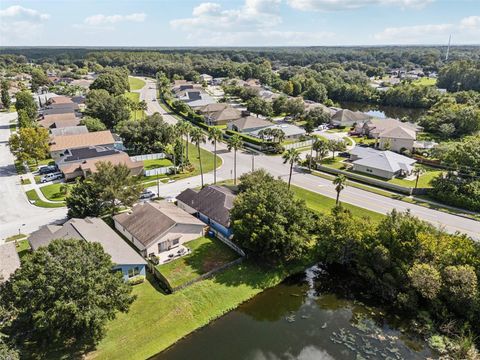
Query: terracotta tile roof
[[81, 140]]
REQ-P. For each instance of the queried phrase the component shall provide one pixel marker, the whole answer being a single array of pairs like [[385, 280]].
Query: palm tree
[[170, 150], [321, 148], [198, 137], [214, 135], [189, 128], [179, 130], [417, 172], [142, 105], [292, 156], [340, 183], [235, 143]]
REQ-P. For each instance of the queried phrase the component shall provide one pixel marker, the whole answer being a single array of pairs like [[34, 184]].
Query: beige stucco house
[[155, 227]]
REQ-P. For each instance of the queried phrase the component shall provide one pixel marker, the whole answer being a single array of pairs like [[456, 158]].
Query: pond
[[385, 111], [296, 320]]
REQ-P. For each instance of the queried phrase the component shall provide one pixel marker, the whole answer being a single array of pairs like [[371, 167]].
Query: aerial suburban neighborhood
[[217, 184]]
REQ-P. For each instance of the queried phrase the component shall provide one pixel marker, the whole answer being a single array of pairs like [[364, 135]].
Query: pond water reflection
[[294, 321]]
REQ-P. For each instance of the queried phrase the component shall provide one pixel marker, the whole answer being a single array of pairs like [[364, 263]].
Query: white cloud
[[99, 19], [466, 31], [335, 5], [413, 34], [254, 14], [17, 11], [471, 23], [19, 25]]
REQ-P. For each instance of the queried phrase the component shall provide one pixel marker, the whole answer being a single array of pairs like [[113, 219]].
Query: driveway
[[16, 212]]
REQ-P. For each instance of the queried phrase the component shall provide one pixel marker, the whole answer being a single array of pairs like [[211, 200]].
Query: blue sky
[[237, 22]]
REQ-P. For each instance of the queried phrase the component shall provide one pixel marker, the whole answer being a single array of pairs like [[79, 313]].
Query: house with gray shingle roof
[[384, 164], [9, 260], [248, 124], [212, 205], [156, 227], [125, 258], [345, 117]]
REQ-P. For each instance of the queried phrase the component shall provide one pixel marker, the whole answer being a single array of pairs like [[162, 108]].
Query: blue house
[[125, 258], [212, 205]]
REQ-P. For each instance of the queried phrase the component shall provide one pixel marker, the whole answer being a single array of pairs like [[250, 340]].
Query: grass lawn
[[363, 140], [207, 164], [52, 192], [423, 181], [135, 84], [324, 204], [207, 254], [156, 321], [425, 81], [23, 248], [35, 200], [15, 237], [336, 163], [156, 163]]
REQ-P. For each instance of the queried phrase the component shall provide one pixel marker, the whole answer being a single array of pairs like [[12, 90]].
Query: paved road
[[15, 210], [275, 166]]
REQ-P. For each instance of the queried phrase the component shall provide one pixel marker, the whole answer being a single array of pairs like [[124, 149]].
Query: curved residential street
[[16, 213], [275, 166]]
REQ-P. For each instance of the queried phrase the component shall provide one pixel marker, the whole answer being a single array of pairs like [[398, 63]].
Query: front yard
[[35, 200], [206, 254], [53, 192], [135, 84]]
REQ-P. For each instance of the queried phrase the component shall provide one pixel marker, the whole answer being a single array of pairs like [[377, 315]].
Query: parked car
[[51, 177], [146, 195], [48, 169]]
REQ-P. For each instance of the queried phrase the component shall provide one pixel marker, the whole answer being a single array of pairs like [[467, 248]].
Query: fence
[[298, 144], [208, 274], [159, 171], [374, 182], [227, 242], [148, 157]]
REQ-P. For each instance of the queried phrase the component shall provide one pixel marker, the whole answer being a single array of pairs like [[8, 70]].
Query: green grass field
[[156, 321], [135, 84], [33, 197], [156, 163], [207, 164], [52, 192], [23, 248], [207, 254], [425, 81], [336, 163], [324, 204]]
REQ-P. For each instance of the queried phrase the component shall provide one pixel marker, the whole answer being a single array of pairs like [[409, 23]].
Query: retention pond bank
[[297, 320]]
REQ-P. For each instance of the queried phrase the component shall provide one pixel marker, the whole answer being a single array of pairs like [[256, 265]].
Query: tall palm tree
[[321, 148], [189, 128], [340, 183], [417, 172], [235, 143], [215, 135], [292, 156], [142, 105], [170, 150], [198, 137], [180, 131]]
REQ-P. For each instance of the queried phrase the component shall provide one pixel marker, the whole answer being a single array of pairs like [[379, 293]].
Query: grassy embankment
[[156, 321]]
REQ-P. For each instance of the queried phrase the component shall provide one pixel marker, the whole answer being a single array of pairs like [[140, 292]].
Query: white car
[[51, 177]]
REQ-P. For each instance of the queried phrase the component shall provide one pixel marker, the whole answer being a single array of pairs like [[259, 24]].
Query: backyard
[[206, 254]]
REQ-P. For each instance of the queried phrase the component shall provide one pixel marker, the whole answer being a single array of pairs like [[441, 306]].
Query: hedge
[[246, 138]]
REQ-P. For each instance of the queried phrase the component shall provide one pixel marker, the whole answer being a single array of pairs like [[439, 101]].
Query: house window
[[175, 242], [133, 271]]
